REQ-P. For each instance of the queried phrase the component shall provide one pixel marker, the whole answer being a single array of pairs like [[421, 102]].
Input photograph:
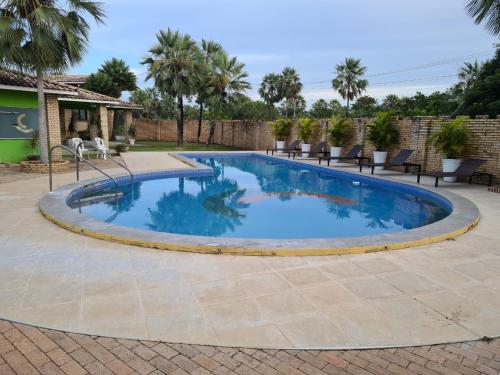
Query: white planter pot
[[280, 145], [120, 138], [379, 157], [306, 147], [335, 152], [450, 165], [131, 141]]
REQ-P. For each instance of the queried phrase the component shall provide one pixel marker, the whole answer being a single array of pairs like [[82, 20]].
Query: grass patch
[[170, 146]]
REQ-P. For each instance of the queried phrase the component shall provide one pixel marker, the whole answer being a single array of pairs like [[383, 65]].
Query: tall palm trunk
[[42, 119], [211, 132], [180, 121], [347, 107], [200, 120]]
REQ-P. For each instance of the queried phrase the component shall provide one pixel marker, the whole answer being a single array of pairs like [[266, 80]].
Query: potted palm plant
[[383, 134], [338, 135], [132, 132], [281, 129], [306, 128], [450, 141]]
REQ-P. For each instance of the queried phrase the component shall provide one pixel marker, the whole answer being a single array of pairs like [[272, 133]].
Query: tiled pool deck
[[53, 278]]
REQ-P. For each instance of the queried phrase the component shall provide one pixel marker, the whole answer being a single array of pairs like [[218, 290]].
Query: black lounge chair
[[315, 150], [398, 161], [351, 155], [294, 146], [466, 169]]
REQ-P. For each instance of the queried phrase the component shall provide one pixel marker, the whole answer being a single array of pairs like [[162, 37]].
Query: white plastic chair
[[75, 142], [99, 143]]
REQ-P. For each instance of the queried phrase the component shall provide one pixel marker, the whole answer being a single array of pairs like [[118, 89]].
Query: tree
[[112, 78], [290, 88], [270, 90], [365, 106], [348, 82], [44, 37], [297, 106], [391, 103], [485, 10], [121, 76], [208, 49], [227, 81], [102, 83], [484, 96], [335, 106], [172, 64], [153, 105], [321, 110]]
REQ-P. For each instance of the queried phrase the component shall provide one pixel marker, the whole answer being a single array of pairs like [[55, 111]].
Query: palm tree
[[44, 37], [468, 76], [290, 87], [469, 73], [270, 90], [173, 63], [348, 81], [227, 82], [120, 74], [208, 49], [485, 10]]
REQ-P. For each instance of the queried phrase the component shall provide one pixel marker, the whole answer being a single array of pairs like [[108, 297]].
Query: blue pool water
[[259, 197]]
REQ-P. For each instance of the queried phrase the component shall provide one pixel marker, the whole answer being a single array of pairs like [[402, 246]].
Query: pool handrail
[[88, 143], [78, 158]]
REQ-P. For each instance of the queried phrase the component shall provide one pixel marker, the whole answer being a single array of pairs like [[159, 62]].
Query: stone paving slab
[[26, 349], [152, 161], [444, 292]]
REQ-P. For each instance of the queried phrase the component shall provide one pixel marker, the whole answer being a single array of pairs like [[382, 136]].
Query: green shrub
[[451, 137], [382, 132], [281, 128], [132, 131], [340, 132], [306, 128]]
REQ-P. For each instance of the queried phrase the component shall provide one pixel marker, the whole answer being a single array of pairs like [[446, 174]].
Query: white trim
[[85, 100], [123, 107], [31, 89]]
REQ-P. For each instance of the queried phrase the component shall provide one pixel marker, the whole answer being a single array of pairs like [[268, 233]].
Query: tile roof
[[69, 79], [13, 78]]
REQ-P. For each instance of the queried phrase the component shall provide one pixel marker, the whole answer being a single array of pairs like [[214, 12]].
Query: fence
[[414, 133]]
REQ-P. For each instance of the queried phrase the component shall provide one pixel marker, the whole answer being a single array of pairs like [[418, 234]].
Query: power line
[[432, 78], [402, 70]]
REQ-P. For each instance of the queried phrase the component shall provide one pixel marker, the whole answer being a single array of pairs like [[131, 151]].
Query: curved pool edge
[[464, 217]]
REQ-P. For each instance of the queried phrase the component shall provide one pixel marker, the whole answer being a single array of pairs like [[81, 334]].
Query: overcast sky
[[311, 36]]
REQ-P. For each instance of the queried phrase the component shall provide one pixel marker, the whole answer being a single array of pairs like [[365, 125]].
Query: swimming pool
[[251, 196]]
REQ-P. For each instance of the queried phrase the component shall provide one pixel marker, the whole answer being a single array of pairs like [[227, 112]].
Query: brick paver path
[[30, 350]]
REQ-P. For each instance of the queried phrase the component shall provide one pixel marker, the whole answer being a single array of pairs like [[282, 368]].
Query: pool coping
[[53, 206]]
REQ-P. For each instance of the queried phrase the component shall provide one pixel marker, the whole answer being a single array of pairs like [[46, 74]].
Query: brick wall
[[53, 124], [414, 133]]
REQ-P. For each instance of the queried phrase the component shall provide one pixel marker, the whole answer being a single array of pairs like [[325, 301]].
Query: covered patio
[[71, 112]]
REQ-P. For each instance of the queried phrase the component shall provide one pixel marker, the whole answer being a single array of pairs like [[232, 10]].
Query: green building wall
[[16, 150]]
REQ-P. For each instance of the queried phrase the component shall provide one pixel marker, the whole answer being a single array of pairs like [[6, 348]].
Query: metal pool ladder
[[78, 158]]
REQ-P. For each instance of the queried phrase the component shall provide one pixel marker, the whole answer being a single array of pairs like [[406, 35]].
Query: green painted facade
[[16, 150], [20, 99]]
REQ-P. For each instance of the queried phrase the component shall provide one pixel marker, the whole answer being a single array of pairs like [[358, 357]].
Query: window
[[80, 114]]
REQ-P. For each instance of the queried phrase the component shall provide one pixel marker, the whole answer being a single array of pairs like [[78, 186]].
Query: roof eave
[[62, 99], [33, 89]]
